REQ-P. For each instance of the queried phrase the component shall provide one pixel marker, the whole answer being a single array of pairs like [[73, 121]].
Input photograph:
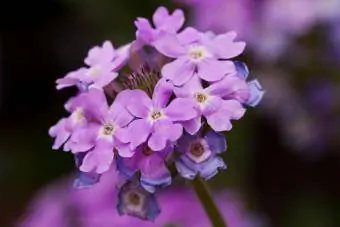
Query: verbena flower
[[135, 201], [199, 155], [103, 62], [163, 21], [155, 118], [133, 120], [151, 165], [198, 52], [210, 104]]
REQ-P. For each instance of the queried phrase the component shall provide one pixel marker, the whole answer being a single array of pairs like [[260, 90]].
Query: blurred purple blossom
[[61, 205]]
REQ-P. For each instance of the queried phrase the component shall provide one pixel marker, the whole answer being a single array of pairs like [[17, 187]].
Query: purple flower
[[156, 121], [151, 165], [64, 128], [105, 132], [135, 201], [199, 155], [163, 21], [209, 103], [102, 62], [194, 51]]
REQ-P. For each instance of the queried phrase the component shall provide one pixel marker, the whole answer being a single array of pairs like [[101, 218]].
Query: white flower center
[[197, 52], [198, 151], [201, 97], [155, 115], [79, 114], [94, 71], [108, 129]]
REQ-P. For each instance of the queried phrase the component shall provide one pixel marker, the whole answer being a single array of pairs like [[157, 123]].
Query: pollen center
[[197, 52], [79, 114], [134, 198], [108, 129], [196, 149], [94, 71], [156, 114], [201, 98]]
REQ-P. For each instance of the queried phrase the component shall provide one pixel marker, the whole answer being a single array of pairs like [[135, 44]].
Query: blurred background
[[283, 156]]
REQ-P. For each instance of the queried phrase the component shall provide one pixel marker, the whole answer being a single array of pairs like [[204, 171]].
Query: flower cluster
[[153, 121]]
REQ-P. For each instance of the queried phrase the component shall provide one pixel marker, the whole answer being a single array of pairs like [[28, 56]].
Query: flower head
[[198, 52], [199, 155]]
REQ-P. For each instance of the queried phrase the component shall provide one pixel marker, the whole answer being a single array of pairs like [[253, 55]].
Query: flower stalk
[[203, 193]]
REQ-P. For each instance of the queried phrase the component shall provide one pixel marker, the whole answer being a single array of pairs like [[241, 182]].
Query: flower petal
[[139, 103], [188, 35], [181, 109], [231, 87], [213, 70], [209, 168], [242, 69], [144, 30], [169, 45], [99, 159], [216, 141], [225, 46], [140, 130], [86, 180], [256, 93], [162, 92], [178, 71], [159, 16], [211, 105], [192, 126], [230, 109], [184, 171], [189, 89]]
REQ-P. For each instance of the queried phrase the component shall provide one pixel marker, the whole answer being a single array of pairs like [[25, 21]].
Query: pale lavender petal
[[122, 134], [231, 87], [159, 16], [209, 168], [188, 35], [216, 141], [179, 71], [181, 109], [175, 21], [140, 130], [169, 45], [98, 160], [230, 110], [124, 149], [192, 126], [184, 171], [212, 105], [154, 172], [83, 139], [65, 82], [242, 69], [164, 131], [105, 77], [59, 132], [256, 93], [162, 92], [213, 70], [119, 112], [189, 89], [139, 103], [144, 30], [226, 48], [100, 54]]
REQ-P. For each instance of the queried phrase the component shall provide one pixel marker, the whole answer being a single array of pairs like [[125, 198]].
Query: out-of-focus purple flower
[[163, 21], [151, 166], [104, 133], [210, 104], [61, 205], [156, 120], [135, 201], [103, 62], [199, 52], [200, 155]]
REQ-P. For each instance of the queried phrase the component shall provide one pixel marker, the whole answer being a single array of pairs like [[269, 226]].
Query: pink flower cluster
[[146, 120]]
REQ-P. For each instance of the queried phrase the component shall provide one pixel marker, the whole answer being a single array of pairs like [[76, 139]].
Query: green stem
[[203, 193]]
